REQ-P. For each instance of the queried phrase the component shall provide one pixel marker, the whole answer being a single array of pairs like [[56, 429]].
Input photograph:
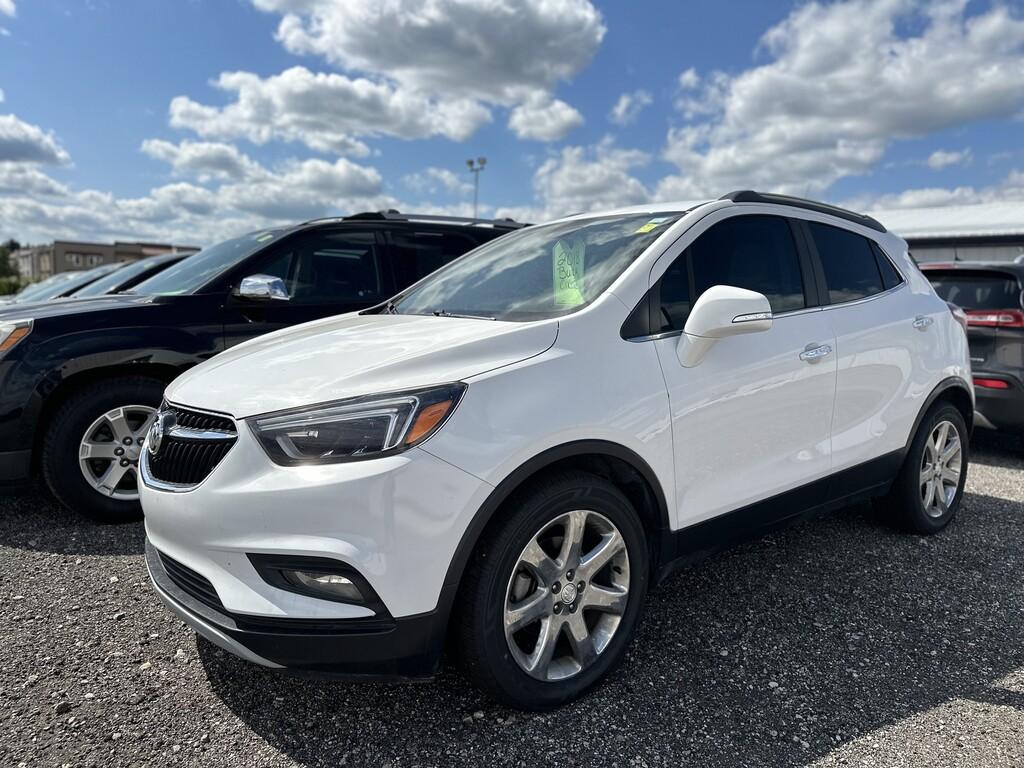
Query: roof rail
[[392, 215], [750, 196]]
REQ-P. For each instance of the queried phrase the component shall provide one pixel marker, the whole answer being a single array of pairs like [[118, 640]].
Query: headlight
[[13, 331], [360, 428]]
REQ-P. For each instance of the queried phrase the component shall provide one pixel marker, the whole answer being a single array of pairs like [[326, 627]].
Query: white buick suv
[[503, 458]]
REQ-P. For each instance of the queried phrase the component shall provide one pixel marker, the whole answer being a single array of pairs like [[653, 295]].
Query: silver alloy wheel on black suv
[[108, 453], [93, 442]]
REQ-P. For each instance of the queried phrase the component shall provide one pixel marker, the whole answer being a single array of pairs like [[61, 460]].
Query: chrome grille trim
[[190, 449]]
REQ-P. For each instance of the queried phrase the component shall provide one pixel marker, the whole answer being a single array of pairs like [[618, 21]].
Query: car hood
[[352, 355], [38, 310]]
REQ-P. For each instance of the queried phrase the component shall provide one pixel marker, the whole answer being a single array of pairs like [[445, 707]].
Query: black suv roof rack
[[392, 215], [750, 196]]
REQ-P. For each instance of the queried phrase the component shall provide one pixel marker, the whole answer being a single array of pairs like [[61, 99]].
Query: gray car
[[992, 295]]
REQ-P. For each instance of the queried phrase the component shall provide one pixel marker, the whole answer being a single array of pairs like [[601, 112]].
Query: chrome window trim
[[865, 299]]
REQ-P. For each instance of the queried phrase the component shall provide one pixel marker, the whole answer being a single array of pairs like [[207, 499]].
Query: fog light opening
[[333, 585]]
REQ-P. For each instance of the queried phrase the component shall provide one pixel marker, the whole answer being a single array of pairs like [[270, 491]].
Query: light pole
[[475, 167]]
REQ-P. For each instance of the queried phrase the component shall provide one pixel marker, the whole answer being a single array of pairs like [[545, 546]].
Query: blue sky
[[194, 120]]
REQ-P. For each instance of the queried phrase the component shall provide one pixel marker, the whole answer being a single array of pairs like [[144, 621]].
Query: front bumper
[[1001, 409], [395, 521], [377, 648]]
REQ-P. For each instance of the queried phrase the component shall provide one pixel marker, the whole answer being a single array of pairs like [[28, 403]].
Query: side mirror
[[721, 311], [263, 288]]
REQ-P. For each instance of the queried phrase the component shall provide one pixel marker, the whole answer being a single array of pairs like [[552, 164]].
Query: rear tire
[[97, 420], [926, 494], [575, 605]]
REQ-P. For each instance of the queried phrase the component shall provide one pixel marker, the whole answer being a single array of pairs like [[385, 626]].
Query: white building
[[982, 232]]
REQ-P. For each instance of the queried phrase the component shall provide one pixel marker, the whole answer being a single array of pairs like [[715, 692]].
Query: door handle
[[922, 321], [813, 354]]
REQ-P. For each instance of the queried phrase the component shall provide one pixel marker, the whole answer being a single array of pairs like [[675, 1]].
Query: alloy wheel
[[108, 453], [566, 596], [941, 468]]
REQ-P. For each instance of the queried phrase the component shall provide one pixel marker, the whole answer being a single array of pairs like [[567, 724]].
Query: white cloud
[[483, 49], [1010, 189], [589, 178], [34, 206], [327, 112], [25, 179], [542, 118], [688, 79], [27, 143], [445, 65], [7, 8], [629, 106], [433, 180], [206, 160], [815, 113], [942, 158]]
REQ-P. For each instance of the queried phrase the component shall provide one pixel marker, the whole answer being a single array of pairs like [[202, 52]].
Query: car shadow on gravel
[[33, 520], [996, 449], [776, 653]]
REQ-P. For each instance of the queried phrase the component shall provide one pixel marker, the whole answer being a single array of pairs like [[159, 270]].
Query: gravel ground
[[838, 642]]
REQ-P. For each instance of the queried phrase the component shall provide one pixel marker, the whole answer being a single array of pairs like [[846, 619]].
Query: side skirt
[[702, 540]]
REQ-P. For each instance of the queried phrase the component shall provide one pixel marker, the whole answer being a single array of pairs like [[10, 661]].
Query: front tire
[[91, 448], [926, 495], [554, 592]]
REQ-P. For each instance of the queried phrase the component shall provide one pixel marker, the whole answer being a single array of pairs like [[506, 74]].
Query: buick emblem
[[162, 426]]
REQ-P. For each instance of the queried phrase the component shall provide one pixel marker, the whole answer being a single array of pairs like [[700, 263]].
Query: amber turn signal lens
[[429, 418], [14, 337]]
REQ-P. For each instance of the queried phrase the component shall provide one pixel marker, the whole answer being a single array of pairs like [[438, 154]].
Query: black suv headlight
[[355, 429], [13, 331]]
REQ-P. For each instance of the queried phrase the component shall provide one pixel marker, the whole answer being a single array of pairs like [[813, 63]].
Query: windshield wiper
[[446, 313]]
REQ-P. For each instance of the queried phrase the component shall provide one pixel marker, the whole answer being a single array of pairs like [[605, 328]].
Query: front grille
[[197, 420], [195, 445], [190, 582]]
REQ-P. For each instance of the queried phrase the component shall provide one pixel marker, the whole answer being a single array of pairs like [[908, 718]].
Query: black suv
[[80, 380], [992, 295]]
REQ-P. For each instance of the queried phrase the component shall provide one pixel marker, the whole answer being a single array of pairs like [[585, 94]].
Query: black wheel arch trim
[[944, 386], [517, 477]]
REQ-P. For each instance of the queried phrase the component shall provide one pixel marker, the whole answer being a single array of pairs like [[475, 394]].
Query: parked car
[[508, 453], [992, 296], [129, 275], [48, 290], [80, 381], [31, 290]]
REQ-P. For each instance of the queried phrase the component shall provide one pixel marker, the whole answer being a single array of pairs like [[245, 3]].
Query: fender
[[515, 479], [944, 386]]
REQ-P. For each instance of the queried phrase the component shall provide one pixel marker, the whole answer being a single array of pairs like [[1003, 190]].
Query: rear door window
[[851, 270], [976, 289]]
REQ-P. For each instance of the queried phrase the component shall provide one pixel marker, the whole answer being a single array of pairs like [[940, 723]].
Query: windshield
[[42, 286], [116, 278], [191, 274], [68, 285], [539, 272]]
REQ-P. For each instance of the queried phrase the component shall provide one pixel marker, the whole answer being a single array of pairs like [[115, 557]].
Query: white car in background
[[511, 451]]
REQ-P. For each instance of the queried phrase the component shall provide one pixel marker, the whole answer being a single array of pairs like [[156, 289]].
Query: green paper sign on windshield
[[567, 272]]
